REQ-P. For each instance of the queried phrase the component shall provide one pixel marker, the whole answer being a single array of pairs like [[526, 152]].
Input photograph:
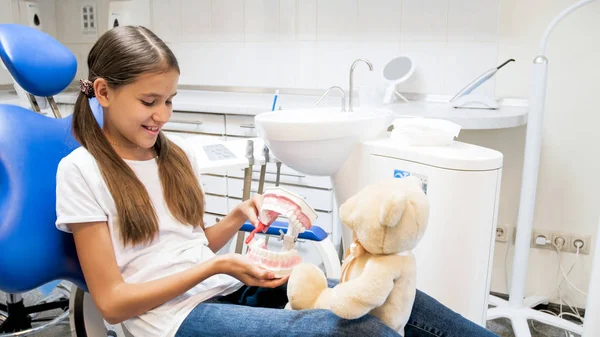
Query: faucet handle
[[343, 96]]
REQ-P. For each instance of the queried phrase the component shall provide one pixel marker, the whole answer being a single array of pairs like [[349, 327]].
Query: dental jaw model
[[280, 202]]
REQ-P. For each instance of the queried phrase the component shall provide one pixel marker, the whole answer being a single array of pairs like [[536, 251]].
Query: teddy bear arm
[[357, 297]]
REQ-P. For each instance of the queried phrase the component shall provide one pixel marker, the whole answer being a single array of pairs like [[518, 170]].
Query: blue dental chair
[[32, 251]]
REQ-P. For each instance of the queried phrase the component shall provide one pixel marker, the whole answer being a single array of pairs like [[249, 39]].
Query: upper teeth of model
[[290, 214]]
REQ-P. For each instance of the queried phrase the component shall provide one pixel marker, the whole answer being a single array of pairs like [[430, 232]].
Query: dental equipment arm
[[246, 191], [261, 184]]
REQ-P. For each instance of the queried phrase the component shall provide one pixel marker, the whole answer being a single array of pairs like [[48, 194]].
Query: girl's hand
[[250, 208], [240, 267]]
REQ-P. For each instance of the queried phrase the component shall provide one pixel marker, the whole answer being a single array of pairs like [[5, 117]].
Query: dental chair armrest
[[316, 233]]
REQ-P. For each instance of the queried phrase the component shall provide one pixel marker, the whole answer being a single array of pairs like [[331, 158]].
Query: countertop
[[510, 114], [506, 116]]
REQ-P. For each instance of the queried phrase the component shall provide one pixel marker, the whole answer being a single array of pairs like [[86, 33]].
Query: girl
[[132, 199]]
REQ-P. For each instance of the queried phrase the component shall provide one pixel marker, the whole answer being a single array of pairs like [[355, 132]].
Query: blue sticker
[[401, 174]]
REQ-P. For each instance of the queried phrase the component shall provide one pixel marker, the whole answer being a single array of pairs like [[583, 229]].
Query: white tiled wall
[[6, 11], [425, 20], [312, 43], [5, 17]]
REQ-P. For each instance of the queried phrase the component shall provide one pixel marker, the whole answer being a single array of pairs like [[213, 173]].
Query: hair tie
[[87, 87]]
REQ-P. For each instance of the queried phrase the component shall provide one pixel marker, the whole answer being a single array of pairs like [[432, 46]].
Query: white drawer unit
[[196, 123], [240, 125], [211, 219], [317, 199], [215, 204], [214, 184]]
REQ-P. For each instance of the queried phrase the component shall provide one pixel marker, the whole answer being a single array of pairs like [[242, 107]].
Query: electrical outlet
[[89, 22], [566, 239], [505, 233], [587, 242], [540, 234], [501, 234]]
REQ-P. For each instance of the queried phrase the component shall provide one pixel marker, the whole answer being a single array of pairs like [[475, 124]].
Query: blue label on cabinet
[[403, 174]]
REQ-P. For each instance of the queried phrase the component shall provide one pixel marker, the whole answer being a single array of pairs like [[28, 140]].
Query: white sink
[[318, 141]]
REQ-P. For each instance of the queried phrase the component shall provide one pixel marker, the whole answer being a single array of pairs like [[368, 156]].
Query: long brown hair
[[119, 57]]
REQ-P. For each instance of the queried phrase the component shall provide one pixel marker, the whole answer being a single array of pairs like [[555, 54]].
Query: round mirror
[[397, 70]]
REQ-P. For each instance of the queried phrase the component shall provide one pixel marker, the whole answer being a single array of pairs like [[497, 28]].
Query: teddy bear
[[388, 219]]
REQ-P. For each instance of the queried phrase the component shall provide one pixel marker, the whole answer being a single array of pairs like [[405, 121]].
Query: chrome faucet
[[351, 93], [343, 96]]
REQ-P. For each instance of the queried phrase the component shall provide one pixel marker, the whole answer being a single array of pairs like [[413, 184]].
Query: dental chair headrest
[[39, 63]]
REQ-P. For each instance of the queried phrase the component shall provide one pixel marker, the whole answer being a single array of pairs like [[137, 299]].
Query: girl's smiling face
[[135, 113]]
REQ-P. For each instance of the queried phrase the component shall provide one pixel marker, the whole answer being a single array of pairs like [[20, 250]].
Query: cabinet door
[[215, 204], [240, 125], [196, 123], [214, 184]]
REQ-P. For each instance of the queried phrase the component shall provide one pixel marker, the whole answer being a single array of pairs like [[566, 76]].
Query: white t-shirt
[[82, 196]]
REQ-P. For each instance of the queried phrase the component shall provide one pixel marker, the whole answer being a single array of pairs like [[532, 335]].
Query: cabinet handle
[[247, 126], [290, 175], [282, 174], [193, 131], [181, 121], [256, 191]]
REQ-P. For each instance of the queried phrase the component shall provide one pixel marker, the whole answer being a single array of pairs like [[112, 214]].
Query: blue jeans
[[253, 311]]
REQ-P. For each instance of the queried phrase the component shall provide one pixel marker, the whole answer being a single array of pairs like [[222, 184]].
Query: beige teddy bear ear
[[391, 209]]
